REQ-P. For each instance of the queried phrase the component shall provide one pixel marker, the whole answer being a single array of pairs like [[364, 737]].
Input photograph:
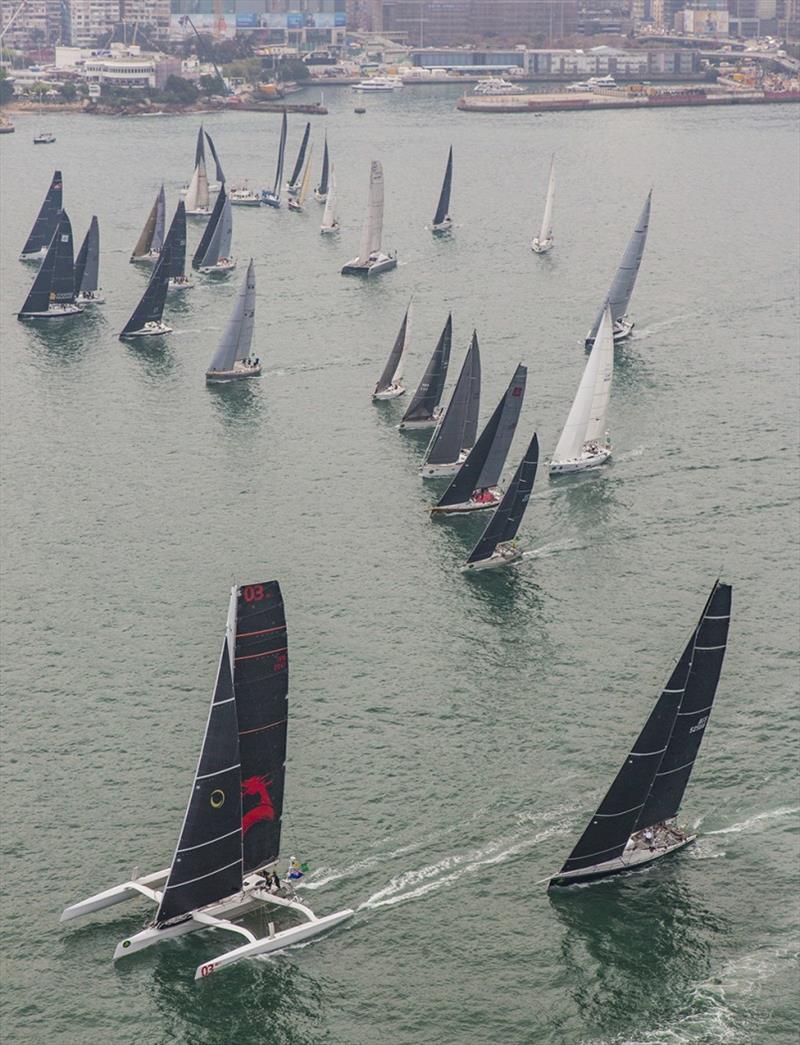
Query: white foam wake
[[770, 814]]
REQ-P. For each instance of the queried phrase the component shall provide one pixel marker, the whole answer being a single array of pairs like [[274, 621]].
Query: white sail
[[546, 231], [301, 196], [197, 194], [398, 370], [587, 417], [329, 217], [373, 223], [238, 336]]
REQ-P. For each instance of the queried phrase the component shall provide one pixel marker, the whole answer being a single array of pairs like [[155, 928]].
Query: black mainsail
[[443, 208], [458, 426], [429, 393], [220, 174], [276, 191], [87, 263], [386, 379], [55, 280], [261, 682], [47, 218], [175, 241], [209, 230], [151, 307], [207, 865], [301, 158], [506, 521], [322, 188], [200, 148]]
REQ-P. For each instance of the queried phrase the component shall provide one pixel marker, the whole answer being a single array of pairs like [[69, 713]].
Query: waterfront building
[[752, 18], [436, 23], [306, 25], [704, 18]]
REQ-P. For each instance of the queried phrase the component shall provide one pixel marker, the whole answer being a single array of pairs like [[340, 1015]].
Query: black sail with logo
[[261, 682], [207, 865]]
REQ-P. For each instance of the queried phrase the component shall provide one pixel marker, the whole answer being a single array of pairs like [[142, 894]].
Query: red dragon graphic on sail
[[257, 785]]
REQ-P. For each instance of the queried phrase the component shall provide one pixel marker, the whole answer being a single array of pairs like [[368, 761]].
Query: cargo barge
[[589, 101]]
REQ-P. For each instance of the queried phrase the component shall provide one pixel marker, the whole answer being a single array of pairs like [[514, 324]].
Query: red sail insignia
[[257, 785]]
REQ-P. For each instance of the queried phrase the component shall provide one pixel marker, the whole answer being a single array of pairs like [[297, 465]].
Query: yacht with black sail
[[296, 202], [46, 221], [212, 256], [635, 823], [87, 268], [218, 173], [619, 296], [146, 320], [442, 222], [233, 360], [390, 383], [475, 486], [151, 238], [321, 191], [498, 545], [454, 435], [371, 258], [425, 407], [543, 242], [52, 295], [272, 197], [293, 184], [176, 241], [330, 217], [230, 839]]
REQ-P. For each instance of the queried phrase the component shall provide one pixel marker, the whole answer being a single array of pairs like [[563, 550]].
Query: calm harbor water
[[449, 736]]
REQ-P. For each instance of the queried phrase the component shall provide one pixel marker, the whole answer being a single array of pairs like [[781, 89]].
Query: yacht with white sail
[[330, 216], [87, 268], [46, 221], [543, 242], [52, 295], [296, 203], [371, 258], [272, 197], [147, 318], [390, 383], [198, 198], [425, 407], [233, 359], [455, 434], [151, 238], [213, 254]]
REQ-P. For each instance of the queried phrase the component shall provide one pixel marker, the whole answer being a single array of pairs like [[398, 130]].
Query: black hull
[[562, 882]]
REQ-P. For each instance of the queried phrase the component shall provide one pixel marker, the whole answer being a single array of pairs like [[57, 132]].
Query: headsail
[[204, 246], [281, 156], [87, 263], [220, 174], [176, 241], [546, 231], [393, 371], [238, 336], [261, 682], [197, 196], [450, 436], [47, 219], [587, 416], [151, 307], [329, 216], [322, 188], [619, 296], [298, 166], [219, 245], [199, 149], [372, 232], [303, 193], [207, 865], [55, 280], [145, 240], [506, 521], [429, 392], [443, 208]]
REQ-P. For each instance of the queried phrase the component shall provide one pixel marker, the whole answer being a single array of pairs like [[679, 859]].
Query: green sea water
[[449, 736]]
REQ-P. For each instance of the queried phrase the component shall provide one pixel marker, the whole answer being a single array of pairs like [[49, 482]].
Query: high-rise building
[[38, 24], [88, 21], [151, 14], [437, 23], [752, 18], [305, 24]]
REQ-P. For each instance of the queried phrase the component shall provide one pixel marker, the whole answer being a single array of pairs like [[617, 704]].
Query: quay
[[589, 101]]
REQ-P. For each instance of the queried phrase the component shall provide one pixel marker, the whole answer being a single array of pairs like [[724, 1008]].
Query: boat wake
[[655, 328], [554, 548], [745, 825]]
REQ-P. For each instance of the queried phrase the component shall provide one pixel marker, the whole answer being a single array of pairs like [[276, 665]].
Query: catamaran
[[455, 433], [585, 443], [371, 259], [151, 238], [442, 222], [198, 200], [619, 296], [330, 218], [635, 823], [474, 488], [46, 221], [497, 546], [176, 241], [233, 359], [146, 320], [544, 241], [213, 252], [52, 295], [425, 407], [321, 191], [87, 268], [272, 197], [296, 204], [390, 383], [232, 827], [293, 184]]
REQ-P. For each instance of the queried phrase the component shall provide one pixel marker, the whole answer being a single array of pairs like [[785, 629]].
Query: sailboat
[[619, 296], [330, 218], [52, 295], [425, 408], [585, 443], [544, 241], [442, 221], [371, 260], [176, 241], [232, 828], [146, 320], [497, 546], [219, 173], [474, 487], [213, 251], [293, 184], [199, 153], [272, 197], [87, 268], [151, 238], [46, 221], [390, 383], [297, 203], [198, 200], [321, 191], [635, 823], [455, 433], [233, 360]]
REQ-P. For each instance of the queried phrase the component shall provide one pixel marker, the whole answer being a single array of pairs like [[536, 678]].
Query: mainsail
[[506, 521], [429, 392], [456, 429], [151, 237], [55, 280], [546, 231], [207, 865], [393, 371], [206, 247], [373, 223], [47, 219], [220, 174], [303, 193], [322, 188], [443, 208], [619, 295], [197, 197], [329, 217], [281, 155], [298, 166], [87, 263], [176, 241], [587, 416], [238, 336], [484, 464], [151, 307], [199, 148]]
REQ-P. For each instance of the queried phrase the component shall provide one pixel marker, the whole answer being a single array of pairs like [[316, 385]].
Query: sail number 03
[[206, 970], [253, 592]]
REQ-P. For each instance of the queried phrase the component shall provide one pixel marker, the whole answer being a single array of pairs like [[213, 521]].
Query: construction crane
[[184, 20]]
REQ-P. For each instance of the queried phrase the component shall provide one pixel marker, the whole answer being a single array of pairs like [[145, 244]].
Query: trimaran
[[543, 242], [46, 221], [233, 359], [454, 435], [390, 383], [371, 258], [425, 407], [87, 268], [634, 824], [232, 827]]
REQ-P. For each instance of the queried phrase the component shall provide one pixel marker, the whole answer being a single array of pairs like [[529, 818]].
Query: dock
[[586, 101]]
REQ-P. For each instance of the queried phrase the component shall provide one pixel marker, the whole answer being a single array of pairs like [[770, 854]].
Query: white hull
[[95, 297], [239, 372], [245, 201], [631, 860], [506, 557], [149, 330], [54, 312], [469, 506], [623, 328], [393, 392], [201, 212], [541, 247], [443, 226], [328, 230], [582, 464], [150, 258], [320, 197], [441, 471], [421, 426], [226, 265], [35, 256], [269, 199], [184, 284], [376, 265]]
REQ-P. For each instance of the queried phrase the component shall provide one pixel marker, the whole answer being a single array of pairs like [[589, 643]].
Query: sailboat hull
[[623, 328], [382, 263], [580, 465], [94, 297], [269, 199], [54, 312], [228, 265], [148, 330], [183, 284], [541, 247], [506, 557], [468, 506], [419, 426], [443, 471], [201, 212], [443, 226], [631, 861], [390, 393], [239, 372], [37, 255], [150, 258]]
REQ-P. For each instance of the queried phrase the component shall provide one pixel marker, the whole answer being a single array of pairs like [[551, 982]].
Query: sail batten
[[238, 336], [47, 219], [429, 391], [443, 206], [621, 290], [507, 519], [451, 436]]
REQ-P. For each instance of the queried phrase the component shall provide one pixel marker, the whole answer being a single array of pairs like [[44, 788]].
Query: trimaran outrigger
[[232, 827]]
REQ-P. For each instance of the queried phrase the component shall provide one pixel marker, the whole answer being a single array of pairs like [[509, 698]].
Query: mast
[[506, 521], [220, 174], [393, 371], [204, 246], [329, 214], [429, 391], [47, 219], [373, 223], [586, 419], [546, 231], [323, 182], [151, 307], [281, 155], [443, 208], [145, 240], [238, 336], [207, 864], [176, 241], [619, 296], [298, 166], [448, 439]]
